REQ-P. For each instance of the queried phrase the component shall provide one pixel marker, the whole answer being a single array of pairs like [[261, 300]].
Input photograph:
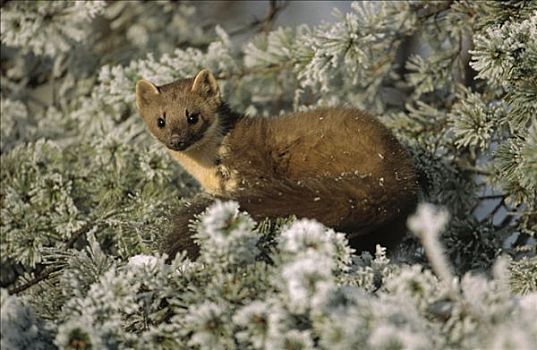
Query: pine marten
[[339, 166]]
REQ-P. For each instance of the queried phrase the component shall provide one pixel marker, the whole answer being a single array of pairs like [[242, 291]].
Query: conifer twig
[[427, 223], [47, 272], [492, 196], [265, 24], [41, 277], [273, 68], [69, 244]]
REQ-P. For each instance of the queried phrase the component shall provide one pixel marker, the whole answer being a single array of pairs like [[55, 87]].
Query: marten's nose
[[177, 142]]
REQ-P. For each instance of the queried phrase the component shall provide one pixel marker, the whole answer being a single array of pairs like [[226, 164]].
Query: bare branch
[[265, 24]]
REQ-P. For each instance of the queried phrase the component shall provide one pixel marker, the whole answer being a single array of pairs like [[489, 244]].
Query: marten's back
[[337, 165], [325, 143]]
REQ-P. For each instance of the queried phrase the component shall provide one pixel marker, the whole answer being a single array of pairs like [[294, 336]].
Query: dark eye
[[161, 123], [192, 118]]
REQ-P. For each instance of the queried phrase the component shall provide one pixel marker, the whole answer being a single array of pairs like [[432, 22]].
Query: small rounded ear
[[205, 84], [145, 92]]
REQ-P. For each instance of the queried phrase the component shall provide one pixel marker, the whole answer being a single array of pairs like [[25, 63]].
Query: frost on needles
[[85, 194]]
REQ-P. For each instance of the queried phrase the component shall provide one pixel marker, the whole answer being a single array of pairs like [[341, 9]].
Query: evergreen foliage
[[86, 194]]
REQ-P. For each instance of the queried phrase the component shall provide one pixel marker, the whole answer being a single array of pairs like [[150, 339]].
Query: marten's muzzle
[[178, 143]]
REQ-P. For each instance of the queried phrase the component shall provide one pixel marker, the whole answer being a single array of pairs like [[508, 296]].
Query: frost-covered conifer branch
[[427, 224], [85, 162]]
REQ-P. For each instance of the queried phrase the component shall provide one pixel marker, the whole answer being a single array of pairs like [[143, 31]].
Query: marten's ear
[[205, 84], [145, 92]]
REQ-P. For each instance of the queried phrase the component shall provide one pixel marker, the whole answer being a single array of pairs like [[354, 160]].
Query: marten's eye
[[161, 122], [192, 118]]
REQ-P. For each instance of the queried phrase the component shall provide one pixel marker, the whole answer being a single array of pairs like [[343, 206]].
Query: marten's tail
[[179, 237], [367, 211]]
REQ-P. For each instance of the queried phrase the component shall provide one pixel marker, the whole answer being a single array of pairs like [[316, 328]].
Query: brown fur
[[339, 166]]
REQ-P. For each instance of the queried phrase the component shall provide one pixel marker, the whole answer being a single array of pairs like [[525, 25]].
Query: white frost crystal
[[20, 328], [143, 260]]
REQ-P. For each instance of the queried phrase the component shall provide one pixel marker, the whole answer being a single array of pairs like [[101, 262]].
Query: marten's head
[[182, 114]]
